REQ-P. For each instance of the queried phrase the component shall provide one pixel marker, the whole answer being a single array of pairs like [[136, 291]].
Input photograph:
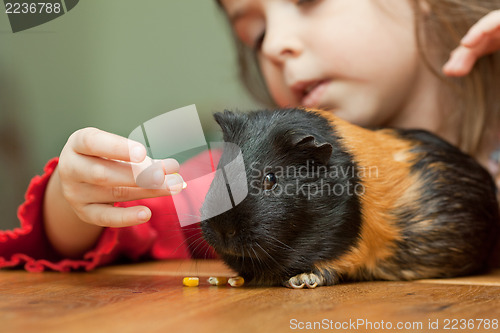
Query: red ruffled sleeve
[[161, 238]]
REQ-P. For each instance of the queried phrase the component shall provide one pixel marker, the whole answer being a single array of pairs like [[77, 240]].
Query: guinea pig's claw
[[312, 286], [295, 286], [299, 281]]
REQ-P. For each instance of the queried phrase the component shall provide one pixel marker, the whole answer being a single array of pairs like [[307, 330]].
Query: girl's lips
[[313, 97]]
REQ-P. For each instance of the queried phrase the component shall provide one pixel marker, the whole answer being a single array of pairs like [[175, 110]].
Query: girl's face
[[356, 57]]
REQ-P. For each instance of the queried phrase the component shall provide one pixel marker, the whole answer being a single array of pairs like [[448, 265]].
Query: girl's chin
[[352, 117]]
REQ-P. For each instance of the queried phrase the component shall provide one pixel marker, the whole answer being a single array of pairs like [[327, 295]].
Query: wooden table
[[149, 297]]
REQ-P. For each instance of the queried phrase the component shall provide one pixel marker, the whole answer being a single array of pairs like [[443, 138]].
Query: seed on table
[[236, 281], [191, 281], [217, 280]]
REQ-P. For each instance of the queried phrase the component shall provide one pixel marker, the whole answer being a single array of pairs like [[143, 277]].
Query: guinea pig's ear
[[228, 121], [220, 118], [321, 152]]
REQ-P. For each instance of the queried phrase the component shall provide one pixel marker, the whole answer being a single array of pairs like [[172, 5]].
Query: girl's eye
[[258, 43], [303, 2], [270, 181]]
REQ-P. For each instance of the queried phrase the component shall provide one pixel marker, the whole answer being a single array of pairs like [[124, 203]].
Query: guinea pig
[[329, 201]]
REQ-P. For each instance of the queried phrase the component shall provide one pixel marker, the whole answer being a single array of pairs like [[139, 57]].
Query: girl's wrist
[[68, 235]]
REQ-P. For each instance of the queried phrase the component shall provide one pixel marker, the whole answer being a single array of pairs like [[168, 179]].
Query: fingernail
[[175, 183], [142, 215], [184, 184], [158, 177], [137, 154]]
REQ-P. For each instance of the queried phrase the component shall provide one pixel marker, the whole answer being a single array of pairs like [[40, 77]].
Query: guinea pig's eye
[[270, 181]]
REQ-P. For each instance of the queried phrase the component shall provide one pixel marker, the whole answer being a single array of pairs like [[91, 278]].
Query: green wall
[[111, 64]]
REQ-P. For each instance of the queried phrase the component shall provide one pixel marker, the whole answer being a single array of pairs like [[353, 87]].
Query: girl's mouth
[[311, 92]]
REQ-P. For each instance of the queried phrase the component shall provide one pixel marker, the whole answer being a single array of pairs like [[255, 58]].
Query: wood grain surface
[[149, 297]]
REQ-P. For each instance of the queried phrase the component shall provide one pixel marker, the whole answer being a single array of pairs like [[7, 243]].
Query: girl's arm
[[93, 173]]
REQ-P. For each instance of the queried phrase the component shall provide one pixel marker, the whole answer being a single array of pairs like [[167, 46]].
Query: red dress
[[160, 238]]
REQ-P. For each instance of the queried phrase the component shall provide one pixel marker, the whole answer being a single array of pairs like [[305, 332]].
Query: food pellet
[[236, 281], [184, 184], [191, 281], [217, 280]]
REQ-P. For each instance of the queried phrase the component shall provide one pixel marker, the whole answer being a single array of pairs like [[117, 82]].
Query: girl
[[372, 62]]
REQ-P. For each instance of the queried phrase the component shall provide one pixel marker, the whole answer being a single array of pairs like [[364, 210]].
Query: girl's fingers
[[486, 25], [109, 173], [98, 171], [153, 176], [460, 63], [115, 217], [94, 142], [102, 159], [108, 195], [482, 38], [104, 172]]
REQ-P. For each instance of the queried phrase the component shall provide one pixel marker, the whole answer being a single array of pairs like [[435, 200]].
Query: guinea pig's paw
[[300, 281]]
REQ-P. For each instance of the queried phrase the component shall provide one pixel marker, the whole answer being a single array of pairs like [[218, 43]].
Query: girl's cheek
[[276, 86], [282, 99]]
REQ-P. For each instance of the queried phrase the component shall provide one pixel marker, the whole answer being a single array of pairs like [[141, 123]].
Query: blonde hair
[[473, 101]]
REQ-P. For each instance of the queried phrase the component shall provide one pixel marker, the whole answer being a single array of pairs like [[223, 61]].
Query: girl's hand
[[94, 173], [483, 38]]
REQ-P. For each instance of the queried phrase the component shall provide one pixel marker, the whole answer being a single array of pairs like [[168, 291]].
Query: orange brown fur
[[383, 193]]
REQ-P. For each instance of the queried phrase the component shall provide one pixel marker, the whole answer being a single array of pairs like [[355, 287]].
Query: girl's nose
[[281, 40]]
